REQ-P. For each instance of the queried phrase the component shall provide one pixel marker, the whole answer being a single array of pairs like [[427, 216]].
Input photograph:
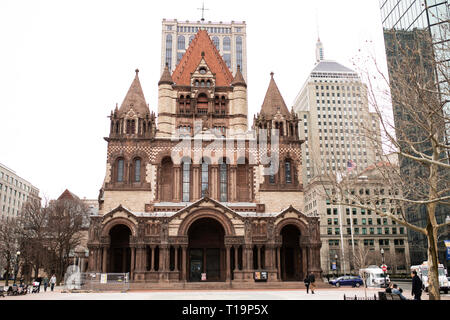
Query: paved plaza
[[320, 294]]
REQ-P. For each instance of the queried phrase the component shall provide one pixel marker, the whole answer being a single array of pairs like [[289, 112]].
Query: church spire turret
[[133, 118]]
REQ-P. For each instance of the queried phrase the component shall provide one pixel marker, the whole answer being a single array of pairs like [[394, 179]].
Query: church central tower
[[202, 88]]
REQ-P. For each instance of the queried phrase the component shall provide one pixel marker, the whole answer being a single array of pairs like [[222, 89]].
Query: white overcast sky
[[65, 64]]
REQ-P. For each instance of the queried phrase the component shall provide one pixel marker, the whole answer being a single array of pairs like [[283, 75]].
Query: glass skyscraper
[[417, 23]]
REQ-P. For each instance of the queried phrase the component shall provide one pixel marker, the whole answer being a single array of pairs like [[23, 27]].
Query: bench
[[388, 296]]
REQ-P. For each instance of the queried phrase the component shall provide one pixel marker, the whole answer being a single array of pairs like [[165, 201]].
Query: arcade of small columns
[[159, 261]]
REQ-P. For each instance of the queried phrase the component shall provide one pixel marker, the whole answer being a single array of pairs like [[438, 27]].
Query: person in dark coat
[[416, 285], [312, 280], [307, 283]]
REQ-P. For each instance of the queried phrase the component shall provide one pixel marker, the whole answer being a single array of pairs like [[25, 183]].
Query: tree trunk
[[8, 266], [433, 262]]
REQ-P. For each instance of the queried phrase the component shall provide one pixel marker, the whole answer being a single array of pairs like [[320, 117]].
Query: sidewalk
[[279, 294]]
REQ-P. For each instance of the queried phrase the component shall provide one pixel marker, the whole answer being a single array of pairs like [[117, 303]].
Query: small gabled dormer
[[203, 77]]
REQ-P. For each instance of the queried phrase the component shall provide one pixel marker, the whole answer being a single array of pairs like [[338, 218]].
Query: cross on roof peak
[[203, 11]]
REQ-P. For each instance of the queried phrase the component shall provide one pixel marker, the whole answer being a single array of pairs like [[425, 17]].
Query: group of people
[[393, 288], [46, 282], [416, 290]]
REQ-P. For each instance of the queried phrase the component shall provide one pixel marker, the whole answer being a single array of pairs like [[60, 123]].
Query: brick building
[[193, 191]]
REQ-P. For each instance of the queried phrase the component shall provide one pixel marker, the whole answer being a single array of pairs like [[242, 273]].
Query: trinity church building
[[191, 194]]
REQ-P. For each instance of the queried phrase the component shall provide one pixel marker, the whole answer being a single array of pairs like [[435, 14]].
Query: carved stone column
[[177, 183], [133, 259], [196, 180], [183, 262], [98, 262], [236, 258], [233, 183], [228, 262], [278, 249], [105, 260], [214, 183], [176, 258], [152, 264]]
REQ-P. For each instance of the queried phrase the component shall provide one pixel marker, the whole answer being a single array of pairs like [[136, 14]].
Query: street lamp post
[[335, 259], [16, 269], [384, 272]]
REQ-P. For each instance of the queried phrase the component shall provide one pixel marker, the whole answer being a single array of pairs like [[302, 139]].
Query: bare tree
[[66, 221], [9, 245], [420, 184], [33, 224]]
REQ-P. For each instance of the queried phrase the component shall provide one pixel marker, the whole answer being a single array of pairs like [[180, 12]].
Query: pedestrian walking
[[416, 291], [52, 282], [312, 284], [39, 280], [45, 283], [307, 283]]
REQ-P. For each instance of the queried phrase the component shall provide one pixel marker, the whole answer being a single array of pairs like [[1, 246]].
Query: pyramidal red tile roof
[[273, 101], [135, 98], [202, 43]]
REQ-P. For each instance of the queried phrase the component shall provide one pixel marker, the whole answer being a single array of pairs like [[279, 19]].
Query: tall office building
[[333, 110], [230, 39], [413, 24], [14, 192]]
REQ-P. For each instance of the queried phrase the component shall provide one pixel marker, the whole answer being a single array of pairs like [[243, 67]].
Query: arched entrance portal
[[120, 252], [206, 250], [291, 254]]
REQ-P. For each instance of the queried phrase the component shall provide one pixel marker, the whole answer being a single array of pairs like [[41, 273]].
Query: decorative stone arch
[[161, 155], [139, 154], [206, 213], [117, 221], [302, 227], [293, 255]]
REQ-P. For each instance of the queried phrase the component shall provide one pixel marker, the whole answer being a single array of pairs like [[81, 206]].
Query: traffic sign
[[384, 268]]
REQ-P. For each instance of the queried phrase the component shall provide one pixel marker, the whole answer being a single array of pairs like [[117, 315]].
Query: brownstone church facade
[[191, 195]]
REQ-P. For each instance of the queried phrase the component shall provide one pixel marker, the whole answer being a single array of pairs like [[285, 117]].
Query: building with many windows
[[334, 120], [14, 192], [346, 230], [193, 195], [409, 27], [230, 40]]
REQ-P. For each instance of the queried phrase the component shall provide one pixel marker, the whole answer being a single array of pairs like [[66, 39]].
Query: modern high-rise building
[[340, 133], [333, 110], [414, 24], [347, 231], [230, 39], [14, 192]]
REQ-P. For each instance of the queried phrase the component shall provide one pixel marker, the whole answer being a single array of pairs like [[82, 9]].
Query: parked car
[[354, 281]]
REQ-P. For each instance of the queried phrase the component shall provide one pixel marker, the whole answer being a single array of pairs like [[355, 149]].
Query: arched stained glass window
[[120, 167], [169, 50], [137, 170], [288, 171], [186, 180], [205, 177], [223, 182]]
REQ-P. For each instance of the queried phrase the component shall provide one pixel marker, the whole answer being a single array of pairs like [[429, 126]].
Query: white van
[[374, 276], [422, 272]]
